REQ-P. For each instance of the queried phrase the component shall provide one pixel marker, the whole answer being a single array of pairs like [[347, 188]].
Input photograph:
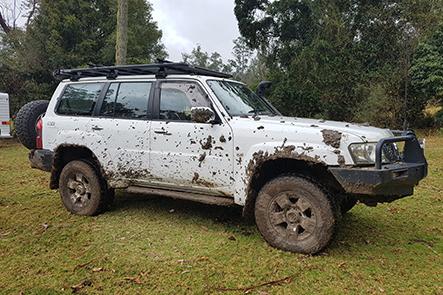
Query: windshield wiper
[[261, 112]]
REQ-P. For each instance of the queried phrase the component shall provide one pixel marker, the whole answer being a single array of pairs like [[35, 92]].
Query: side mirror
[[262, 87], [202, 115]]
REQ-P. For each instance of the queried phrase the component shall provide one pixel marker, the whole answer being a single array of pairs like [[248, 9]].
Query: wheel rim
[[79, 190], [292, 216]]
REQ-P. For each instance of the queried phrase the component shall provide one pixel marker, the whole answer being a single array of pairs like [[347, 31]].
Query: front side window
[[126, 100], [79, 99], [238, 99], [177, 99]]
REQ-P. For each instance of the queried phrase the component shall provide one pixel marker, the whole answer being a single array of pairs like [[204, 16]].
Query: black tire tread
[[330, 223], [25, 122], [102, 204]]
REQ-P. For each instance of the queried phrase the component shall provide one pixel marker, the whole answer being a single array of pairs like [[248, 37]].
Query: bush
[[439, 119]]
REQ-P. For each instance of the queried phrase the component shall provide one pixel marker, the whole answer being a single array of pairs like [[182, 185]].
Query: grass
[[147, 245]]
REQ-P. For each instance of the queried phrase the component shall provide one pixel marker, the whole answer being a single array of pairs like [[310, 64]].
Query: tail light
[[39, 129]]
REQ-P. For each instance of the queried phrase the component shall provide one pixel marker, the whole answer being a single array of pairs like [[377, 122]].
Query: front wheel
[[294, 214]]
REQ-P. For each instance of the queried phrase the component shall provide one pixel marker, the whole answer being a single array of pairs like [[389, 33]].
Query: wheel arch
[[66, 153], [263, 172]]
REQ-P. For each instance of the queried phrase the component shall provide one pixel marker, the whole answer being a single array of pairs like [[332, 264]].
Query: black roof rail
[[161, 70]]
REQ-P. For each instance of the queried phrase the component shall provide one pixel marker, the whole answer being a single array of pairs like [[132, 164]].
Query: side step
[[205, 199]]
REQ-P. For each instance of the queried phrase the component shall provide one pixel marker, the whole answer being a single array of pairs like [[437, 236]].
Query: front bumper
[[385, 183], [41, 159], [392, 180]]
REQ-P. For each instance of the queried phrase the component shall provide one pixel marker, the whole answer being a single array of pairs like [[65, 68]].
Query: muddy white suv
[[184, 132]]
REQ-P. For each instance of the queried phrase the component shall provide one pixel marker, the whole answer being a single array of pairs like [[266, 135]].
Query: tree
[[68, 34], [121, 48], [243, 56], [5, 27], [212, 61], [327, 57], [427, 67]]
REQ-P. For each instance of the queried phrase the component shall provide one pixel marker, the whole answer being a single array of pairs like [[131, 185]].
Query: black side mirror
[[262, 87], [202, 115]]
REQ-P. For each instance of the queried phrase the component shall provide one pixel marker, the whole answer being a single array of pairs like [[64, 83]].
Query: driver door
[[185, 153]]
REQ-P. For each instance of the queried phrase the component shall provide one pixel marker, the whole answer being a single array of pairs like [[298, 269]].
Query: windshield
[[239, 100]]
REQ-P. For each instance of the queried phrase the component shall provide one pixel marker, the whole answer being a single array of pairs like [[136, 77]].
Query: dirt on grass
[[148, 245]]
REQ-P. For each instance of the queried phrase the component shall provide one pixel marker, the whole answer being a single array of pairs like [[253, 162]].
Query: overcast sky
[[186, 23]]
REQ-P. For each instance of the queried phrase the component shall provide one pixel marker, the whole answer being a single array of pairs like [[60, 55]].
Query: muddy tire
[[26, 121], [347, 204], [294, 214], [81, 189]]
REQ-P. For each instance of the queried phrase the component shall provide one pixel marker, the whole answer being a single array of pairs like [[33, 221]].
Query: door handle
[[162, 131], [96, 128]]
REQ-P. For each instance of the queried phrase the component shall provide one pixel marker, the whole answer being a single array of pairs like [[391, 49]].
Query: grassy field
[[148, 245]]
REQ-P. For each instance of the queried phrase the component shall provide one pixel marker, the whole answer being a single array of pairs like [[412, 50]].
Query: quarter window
[[127, 100], [177, 99], [79, 99]]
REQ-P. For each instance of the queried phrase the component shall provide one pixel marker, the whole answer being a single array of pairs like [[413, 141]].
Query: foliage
[[201, 58], [439, 119], [427, 66], [328, 59], [247, 65], [67, 34]]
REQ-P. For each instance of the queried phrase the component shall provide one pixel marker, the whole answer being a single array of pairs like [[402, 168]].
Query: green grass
[[143, 246]]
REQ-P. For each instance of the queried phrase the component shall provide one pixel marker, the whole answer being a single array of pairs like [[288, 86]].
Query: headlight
[[364, 153]]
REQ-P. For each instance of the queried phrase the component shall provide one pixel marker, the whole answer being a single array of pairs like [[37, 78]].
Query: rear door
[[193, 155], [123, 126]]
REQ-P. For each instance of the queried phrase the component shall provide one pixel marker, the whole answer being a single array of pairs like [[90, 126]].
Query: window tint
[[127, 100], [107, 109], [238, 99], [79, 99], [177, 99]]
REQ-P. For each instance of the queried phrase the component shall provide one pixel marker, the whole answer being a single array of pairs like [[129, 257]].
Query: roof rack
[[160, 70]]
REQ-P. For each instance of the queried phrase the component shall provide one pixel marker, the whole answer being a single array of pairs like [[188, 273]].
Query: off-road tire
[[81, 189], [26, 121], [347, 204], [308, 205]]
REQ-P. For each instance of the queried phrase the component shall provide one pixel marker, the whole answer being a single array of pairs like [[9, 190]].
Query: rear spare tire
[[26, 122]]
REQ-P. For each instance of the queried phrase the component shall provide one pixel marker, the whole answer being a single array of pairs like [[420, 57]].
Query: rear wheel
[[294, 214], [81, 189], [26, 122]]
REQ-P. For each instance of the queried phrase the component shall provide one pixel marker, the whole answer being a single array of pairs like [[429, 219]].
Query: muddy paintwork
[[211, 158]]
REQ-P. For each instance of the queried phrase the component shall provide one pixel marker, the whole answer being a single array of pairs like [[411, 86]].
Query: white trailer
[[5, 119]]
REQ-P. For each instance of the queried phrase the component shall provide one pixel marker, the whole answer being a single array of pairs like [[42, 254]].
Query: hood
[[364, 132]]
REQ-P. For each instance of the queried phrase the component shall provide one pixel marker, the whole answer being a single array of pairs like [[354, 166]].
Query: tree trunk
[[4, 25], [121, 47]]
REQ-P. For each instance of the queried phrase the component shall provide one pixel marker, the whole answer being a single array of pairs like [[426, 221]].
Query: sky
[[186, 23]]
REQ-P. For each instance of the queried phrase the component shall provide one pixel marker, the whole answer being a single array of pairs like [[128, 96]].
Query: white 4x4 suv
[[185, 132]]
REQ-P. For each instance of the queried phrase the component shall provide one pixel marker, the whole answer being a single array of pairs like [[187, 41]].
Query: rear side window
[[79, 99], [126, 100]]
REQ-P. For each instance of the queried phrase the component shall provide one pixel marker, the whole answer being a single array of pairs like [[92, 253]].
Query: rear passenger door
[[194, 155], [123, 125]]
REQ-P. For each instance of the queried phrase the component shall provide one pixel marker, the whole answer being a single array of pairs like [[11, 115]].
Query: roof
[[160, 70]]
